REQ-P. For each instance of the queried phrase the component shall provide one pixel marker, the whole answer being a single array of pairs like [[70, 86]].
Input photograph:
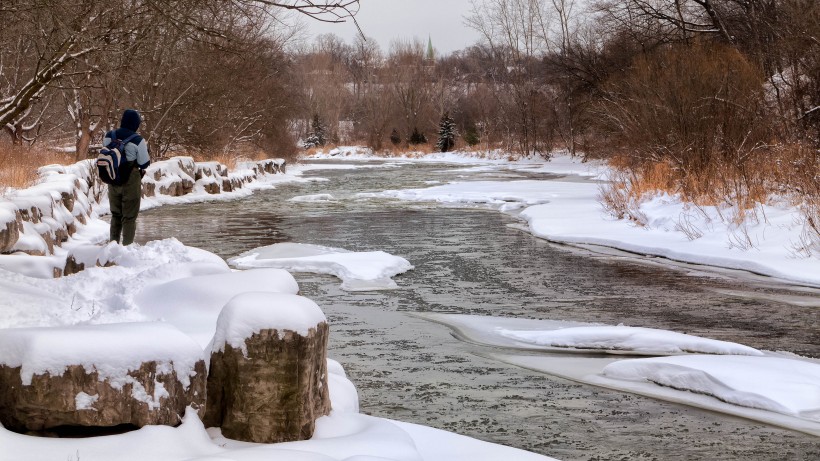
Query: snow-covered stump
[[98, 376], [267, 381]]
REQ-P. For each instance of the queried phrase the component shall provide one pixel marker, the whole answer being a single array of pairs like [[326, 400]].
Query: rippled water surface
[[474, 261]]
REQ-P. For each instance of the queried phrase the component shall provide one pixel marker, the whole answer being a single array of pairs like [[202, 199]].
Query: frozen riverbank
[[569, 211]]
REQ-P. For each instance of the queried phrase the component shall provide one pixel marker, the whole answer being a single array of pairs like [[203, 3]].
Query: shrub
[[693, 106]]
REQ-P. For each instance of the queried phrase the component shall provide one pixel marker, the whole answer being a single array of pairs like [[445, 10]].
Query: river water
[[475, 261]]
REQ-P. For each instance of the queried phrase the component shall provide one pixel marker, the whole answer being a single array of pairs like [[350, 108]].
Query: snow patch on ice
[[312, 198], [624, 338], [359, 271]]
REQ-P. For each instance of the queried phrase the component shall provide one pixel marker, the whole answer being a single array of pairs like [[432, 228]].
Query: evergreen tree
[[471, 136], [395, 138], [317, 136], [417, 137], [319, 130], [446, 133]]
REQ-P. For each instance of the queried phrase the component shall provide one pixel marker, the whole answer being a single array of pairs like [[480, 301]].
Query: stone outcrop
[[150, 395], [272, 166], [10, 230], [275, 391]]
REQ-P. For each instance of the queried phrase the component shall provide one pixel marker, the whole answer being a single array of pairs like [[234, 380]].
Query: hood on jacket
[[130, 120]]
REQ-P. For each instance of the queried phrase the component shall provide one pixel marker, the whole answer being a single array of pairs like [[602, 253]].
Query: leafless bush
[[691, 106]]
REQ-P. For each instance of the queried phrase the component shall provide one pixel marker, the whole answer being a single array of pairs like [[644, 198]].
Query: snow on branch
[[325, 10]]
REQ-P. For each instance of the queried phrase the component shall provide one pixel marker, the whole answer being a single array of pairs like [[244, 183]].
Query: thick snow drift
[[193, 304], [776, 384]]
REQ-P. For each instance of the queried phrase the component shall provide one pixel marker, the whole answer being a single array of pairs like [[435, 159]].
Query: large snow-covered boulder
[[98, 376], [267, 381], [173, 177]]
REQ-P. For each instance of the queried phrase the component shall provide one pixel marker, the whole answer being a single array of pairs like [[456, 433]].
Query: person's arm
[[143, 159]]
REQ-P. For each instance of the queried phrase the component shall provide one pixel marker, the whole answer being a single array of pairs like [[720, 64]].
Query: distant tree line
[[207, 75], [688, 82]]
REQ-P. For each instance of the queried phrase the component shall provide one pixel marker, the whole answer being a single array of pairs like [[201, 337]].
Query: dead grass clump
[[19, 164], [409, 150]]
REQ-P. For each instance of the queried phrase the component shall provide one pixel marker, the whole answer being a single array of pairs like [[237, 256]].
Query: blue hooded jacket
[[129, 124]]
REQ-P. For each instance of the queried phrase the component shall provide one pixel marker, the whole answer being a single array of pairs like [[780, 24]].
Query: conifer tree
[[317, 135], [395, 138], [417, 137], [446, 133]]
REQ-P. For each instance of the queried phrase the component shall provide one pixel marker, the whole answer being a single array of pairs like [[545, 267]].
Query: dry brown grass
[[786, 172], [19, 164], [229, 159]]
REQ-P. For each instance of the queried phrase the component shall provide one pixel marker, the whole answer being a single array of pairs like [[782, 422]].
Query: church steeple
[[431, 55]]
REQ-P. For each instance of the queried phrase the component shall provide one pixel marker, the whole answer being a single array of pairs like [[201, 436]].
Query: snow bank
[[568, 211], [343, 395], [624, 338], [338, 437], [101, 294], [193, 304], [359, 271], [252, 312], [775, 384], [558, 160], [110, 350]]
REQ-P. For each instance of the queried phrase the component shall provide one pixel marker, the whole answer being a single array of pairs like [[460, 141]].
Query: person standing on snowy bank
[[125, 199]]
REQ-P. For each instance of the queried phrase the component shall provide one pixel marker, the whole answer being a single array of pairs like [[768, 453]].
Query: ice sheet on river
[[359, 271], [774, 388], [566, 336]]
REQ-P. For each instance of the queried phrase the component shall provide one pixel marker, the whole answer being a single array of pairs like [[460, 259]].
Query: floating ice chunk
[[624, 338], [359, 271], [781, 385], [313, 198]]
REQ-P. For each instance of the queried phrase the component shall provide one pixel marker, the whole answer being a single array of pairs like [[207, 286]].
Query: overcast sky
[[387, 20]]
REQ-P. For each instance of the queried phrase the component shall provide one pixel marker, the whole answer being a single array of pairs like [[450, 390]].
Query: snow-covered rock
[[98, 375], [268, 377]]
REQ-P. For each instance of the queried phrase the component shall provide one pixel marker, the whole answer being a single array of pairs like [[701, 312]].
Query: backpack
[[113, 167]]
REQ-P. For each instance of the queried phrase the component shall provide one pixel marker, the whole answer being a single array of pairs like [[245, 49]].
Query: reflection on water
[[469, 261]]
